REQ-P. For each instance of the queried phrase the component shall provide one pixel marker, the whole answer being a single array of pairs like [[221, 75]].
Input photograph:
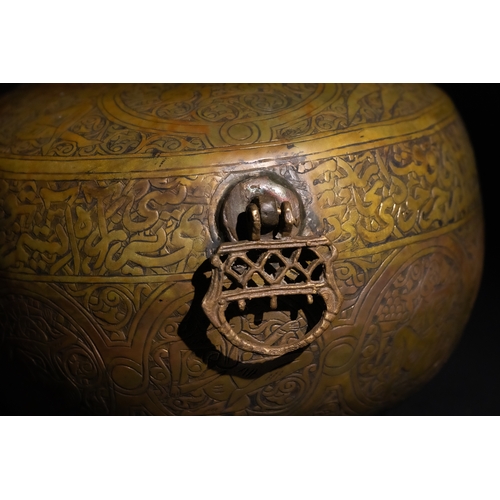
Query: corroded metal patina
[[113, 206]]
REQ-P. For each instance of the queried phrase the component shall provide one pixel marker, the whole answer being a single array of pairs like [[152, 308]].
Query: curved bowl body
[[111, 208]]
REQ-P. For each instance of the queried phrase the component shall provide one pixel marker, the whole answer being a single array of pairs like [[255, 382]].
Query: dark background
[[468, 384]]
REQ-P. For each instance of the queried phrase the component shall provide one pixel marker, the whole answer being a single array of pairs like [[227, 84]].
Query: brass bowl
[[236, 249]]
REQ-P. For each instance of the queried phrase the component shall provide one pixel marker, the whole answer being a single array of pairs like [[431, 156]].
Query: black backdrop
[[469, 383]]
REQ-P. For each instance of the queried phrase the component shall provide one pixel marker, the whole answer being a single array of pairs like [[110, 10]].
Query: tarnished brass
[[341, 224]]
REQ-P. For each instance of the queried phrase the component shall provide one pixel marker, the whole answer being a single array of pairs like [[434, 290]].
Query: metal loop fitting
[[274, 261]]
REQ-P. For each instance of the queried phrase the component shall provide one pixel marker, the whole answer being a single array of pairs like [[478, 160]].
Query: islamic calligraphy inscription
[[104, 228], [146, 227], [397, 191]]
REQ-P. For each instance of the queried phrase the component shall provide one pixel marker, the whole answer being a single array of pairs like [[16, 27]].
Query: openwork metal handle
[[278, 265], [256, 269]]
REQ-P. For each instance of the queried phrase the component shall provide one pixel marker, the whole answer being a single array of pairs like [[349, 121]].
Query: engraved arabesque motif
[[60, 126], [402, 342], [127, 254], [208, 381], [363, 104], [212, 381], [56, 346], [115, 306], [200, 103]]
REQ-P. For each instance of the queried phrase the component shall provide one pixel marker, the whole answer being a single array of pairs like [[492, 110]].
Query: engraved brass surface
[[110, 209]]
